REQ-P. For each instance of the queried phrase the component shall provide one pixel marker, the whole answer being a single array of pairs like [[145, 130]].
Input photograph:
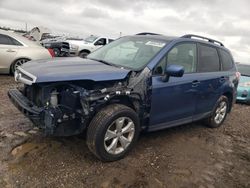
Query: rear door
[[210, 80], [229, 72], [8, 50], [173, 102]]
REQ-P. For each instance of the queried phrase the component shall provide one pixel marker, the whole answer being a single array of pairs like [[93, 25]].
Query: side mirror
[[173, 70]]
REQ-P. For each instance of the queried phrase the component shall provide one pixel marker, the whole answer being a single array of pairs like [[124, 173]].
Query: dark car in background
[[60, 48], [137, 83], [243, 91]]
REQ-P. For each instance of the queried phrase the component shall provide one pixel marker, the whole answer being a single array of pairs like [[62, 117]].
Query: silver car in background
[[16, 50]]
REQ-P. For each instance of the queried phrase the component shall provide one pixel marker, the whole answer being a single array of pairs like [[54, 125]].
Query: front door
[[173, 102]]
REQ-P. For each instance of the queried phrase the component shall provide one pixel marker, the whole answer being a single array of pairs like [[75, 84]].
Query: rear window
[[208, 59], [226, 60]]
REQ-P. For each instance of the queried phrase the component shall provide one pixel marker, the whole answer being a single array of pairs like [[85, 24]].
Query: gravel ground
[[186, 156]]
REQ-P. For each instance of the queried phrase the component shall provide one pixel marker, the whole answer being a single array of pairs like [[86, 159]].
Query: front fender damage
[[78, 104]]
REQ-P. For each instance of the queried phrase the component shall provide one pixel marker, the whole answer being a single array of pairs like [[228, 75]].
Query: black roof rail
[[147, 33], [203, 38]]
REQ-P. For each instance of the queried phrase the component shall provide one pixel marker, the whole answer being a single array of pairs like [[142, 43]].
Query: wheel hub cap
[[119, 135], [19, 63], [220, 112]]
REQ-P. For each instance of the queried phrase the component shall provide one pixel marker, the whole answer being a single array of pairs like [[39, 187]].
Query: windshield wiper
[[108, 63], [102, 61], [105, 62]]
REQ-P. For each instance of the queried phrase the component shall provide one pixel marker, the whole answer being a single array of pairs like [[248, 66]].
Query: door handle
[[222, 79], [10, 50], [195, 83]]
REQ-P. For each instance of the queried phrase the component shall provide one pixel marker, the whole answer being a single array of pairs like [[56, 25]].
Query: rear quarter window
[[208, 59], [226, 60]]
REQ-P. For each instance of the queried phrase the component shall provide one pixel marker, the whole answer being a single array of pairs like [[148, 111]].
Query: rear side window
[[226, 59], [101, 41], [208, 59], [6, 40]]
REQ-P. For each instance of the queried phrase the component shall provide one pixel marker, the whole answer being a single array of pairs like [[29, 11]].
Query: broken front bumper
[[41, 117], [25, 106], [45, 118]]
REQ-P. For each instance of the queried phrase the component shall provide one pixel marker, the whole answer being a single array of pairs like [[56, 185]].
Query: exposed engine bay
[[68, 107]]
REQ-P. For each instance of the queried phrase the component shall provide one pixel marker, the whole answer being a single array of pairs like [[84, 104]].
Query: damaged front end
[[55, 111], [66, 108]]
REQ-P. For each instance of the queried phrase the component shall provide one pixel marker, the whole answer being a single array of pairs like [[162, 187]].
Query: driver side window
[[184, 54], [101, 41]]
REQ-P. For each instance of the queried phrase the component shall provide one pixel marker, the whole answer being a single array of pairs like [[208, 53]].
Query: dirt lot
[[186, 156]]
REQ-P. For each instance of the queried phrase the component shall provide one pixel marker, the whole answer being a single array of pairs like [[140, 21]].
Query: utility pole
[[26, 27]]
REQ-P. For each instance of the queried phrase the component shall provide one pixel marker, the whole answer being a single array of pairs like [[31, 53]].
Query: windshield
[[91, 39], [72, 38], [129, 52], [244, 69]]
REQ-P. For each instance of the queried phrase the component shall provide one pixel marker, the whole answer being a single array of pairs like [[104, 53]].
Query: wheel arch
[[16, 59], [127, 101], [229, 96], [121, 99], [84, 50]]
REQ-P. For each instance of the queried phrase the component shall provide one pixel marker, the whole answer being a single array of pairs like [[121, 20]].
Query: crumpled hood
[[67, 69]]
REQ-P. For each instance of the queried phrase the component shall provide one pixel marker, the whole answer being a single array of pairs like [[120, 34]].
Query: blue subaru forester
[[142, 82]]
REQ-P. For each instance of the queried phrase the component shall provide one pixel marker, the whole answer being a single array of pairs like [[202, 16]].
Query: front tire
[[219, 114], [113, 132], [83, 54]]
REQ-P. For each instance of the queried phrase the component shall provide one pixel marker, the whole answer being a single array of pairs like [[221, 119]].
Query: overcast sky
[[224, 20]]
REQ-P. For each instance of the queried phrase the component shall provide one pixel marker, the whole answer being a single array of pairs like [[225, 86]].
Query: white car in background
[[16, 50], [90, 44], [74, 44]]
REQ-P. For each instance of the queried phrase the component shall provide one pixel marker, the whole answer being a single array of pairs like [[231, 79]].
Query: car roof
[[188, 37], [156, 37]]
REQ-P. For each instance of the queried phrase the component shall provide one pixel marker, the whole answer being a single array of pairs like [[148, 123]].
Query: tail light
[[237, 74], [51, 51]]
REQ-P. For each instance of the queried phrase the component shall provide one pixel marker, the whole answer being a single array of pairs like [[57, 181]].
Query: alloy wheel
[[220, 112], [119, 135], [19, 63]]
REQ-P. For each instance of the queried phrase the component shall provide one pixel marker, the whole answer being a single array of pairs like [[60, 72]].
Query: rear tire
[[113, 132], [83, 54], [219, 113], [16, 64]]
